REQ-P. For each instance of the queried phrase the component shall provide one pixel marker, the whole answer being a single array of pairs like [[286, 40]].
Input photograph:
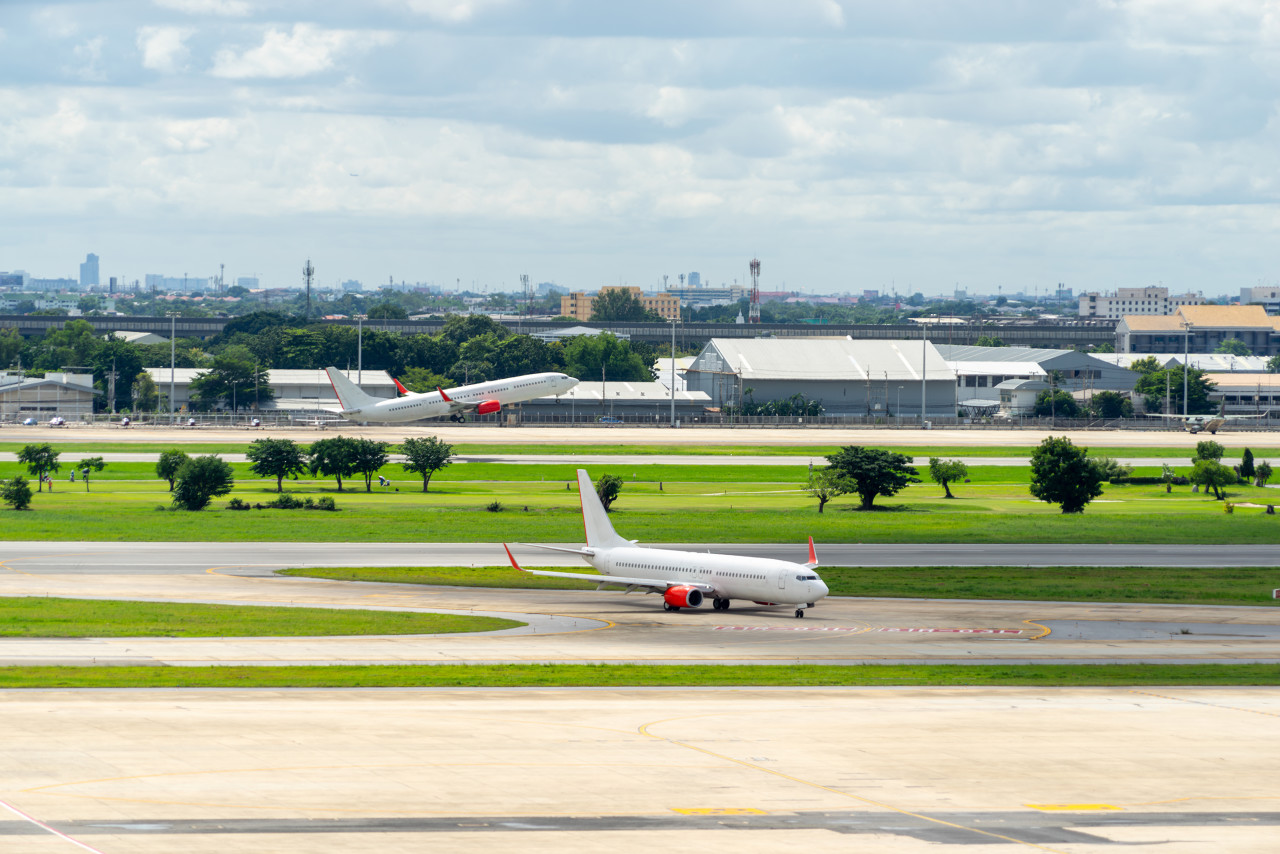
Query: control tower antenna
[[753, 315], [309, 272]]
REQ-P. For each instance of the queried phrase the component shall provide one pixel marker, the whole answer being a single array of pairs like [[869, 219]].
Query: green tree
[[1059, 404], [1208, 450], [1262, 474], [236, 380], [824, 485], [1212, 474], [168, 465], [585, 355], [1166, 475], [11, 346], [1111, 404], [367, 457], [871, 472], [40, 460], [16, 492], [607, 488], [425, 457], [278, 458], [1145, 365], [617, 304], [1273, 364], [1104, 347], [1234, 347], [990, 341], [1152, 387], [422, 380], [200, 480], [125, 360], [386, 310], [1246, 465], [333, 458], [1110, 469], [945, 472], [463, 327], [146, 394], [1062, 474], [87, 465]]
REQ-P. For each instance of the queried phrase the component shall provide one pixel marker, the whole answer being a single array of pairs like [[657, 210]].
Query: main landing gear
[[799, 613], [456, 417], [720, 604]]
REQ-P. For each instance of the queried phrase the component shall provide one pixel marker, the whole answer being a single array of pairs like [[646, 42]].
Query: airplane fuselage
[[756, 579], [414, 407]]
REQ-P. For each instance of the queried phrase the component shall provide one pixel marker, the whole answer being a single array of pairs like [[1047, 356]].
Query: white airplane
[[1195, 423], [685, 579], [483, 398]]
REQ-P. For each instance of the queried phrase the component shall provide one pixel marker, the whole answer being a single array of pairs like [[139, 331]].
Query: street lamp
[[1186, 362], [173, 351]]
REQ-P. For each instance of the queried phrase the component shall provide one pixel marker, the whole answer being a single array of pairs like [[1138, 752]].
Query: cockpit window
[[806, 578]]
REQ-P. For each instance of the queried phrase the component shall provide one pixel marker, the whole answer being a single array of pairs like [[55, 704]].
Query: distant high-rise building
[[352, 286], [89, 271], [249, 282], [695, 280], [1130, 301]]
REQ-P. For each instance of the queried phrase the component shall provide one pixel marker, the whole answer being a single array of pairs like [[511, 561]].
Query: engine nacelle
[[488, 406], [683, 597]]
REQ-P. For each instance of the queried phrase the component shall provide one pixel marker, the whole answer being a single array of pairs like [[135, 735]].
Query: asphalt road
[[180, 558]]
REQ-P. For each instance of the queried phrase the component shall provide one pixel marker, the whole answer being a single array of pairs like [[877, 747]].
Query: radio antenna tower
[[753, 315], [309, 272], [528, 292]]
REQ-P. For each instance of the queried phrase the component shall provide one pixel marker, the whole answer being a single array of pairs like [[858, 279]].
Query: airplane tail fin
[[595, 518], [350, 395], [813, 556]]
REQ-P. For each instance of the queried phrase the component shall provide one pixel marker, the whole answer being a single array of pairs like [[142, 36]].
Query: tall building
[[1267, 297], [578, 305], [89, 271], [695, 280], [1133, 301]]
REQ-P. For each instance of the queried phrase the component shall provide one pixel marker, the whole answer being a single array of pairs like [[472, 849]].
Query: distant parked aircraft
[[1195, 423], [482, 398], [684, 579]]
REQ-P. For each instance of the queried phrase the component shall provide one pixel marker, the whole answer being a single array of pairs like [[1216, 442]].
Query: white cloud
[[226, 8], [453, 11], [305, 50], [164, 48]]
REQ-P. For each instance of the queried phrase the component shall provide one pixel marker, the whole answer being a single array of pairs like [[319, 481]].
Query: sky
[[987, 145]]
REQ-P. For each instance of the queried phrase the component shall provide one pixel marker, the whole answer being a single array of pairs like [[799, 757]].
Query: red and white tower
[[753, 315]]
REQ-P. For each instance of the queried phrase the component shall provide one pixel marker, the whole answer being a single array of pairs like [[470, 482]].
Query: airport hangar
[[874, 377]]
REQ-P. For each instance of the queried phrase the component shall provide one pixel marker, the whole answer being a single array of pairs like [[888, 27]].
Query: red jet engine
[[683, 597]]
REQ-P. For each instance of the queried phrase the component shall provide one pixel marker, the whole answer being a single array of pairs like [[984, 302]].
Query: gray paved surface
[[38, 557], [1072, 771]]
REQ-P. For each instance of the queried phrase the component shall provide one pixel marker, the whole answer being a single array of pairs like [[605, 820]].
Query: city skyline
[[924, 147]]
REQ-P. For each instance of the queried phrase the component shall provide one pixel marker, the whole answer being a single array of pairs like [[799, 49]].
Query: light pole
[[673, 372], [924, 373], [359, 350], [1186, 362], [173, 352], [898, 409]]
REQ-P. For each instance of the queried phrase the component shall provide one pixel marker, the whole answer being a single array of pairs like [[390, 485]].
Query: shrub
[[285, 501], [494, 507], [325, 502], [16, 492], [237, 504]]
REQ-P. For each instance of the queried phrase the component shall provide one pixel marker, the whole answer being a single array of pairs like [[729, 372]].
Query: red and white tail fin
[[813, 556], [399, 386], [444, 396], [350, 395]]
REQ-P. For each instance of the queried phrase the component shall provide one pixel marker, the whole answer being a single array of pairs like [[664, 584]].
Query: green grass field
[[38, 617], [659, 503], [586, 675], [1162, 585]]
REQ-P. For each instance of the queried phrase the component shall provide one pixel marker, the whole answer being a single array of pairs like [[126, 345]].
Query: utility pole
[[924, 370], [673, 364], [1186, 362], [173, 351]]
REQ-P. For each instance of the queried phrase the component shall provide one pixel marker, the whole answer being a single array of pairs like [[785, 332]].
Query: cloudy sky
[[917, 145]]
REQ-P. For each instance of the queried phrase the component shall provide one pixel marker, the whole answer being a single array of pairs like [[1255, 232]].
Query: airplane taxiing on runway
[[685, 579], [482, 398]]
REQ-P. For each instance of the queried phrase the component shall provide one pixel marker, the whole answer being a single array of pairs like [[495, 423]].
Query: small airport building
[[69, 395], [633, 401], [850, 377]]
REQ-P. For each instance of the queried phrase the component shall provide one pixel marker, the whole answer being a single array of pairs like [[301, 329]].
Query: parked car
[[29, 422]]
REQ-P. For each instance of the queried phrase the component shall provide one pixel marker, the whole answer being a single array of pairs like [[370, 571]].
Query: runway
[[892, 770], [40, 557], [597, 626], [896, 770]]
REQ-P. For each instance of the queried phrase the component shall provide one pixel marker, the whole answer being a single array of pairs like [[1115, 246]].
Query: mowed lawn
[[658, 503]]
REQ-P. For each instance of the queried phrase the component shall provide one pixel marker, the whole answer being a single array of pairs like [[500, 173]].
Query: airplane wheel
[[724, 604], [799, 613], [667, 606]]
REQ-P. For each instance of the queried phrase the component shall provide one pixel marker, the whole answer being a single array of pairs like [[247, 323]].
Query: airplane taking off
[[1195, 423], [685, 579], [483, 398]]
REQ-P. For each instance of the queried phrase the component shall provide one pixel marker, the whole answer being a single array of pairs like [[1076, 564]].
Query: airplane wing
[[601, 580], [1234, 417], [454, 405]]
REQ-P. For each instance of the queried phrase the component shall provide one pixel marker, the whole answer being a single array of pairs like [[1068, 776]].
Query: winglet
[[444, 396], [512, 558], [813, 556], [402, 389]]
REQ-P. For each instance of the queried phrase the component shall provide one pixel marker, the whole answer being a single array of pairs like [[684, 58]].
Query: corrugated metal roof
[[974, 353], [986, 369], [628, 392], [825, 359], [1245, 382]]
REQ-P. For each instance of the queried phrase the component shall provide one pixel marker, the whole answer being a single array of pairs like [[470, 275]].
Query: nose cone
[[820, 588]]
